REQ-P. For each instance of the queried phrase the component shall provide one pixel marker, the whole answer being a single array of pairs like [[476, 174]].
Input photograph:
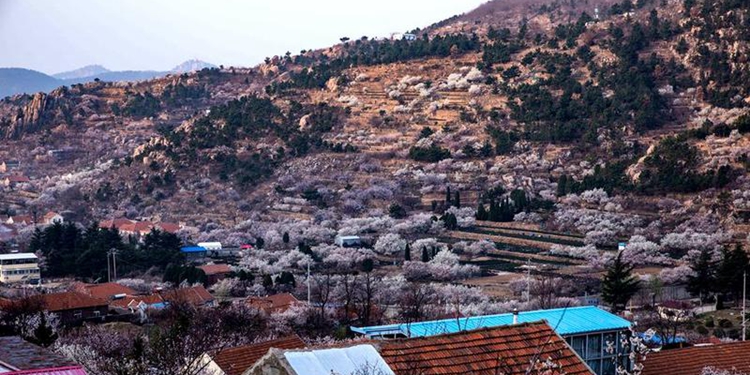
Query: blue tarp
[[192, 249], [565, 321]]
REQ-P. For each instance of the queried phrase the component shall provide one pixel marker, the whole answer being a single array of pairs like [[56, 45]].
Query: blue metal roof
[[565, 321], [192, 249]]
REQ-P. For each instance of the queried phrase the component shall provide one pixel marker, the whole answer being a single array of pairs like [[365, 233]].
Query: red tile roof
[[17, 179], [275, 303], [70, 301], [22, 219], [506, 350], [168, 227], [105, 290], [215, 269], [691, 361], [235, 361], [196, 295], [139, 227], [116, 223]]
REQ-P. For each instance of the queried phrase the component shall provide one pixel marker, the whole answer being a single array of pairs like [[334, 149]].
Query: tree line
[[69, 250]]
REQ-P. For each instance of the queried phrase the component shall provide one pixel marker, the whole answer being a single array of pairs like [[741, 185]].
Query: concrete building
[[19, 268]]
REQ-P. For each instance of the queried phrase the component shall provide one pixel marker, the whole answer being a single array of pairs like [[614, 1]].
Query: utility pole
[[528, 280], [113, 254], [114, 263]]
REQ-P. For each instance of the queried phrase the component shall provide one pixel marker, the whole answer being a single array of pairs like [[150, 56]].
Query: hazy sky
[[57, 35]]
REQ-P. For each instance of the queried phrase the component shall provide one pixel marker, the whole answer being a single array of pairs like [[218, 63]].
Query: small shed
[[193, 252], [348, 241]]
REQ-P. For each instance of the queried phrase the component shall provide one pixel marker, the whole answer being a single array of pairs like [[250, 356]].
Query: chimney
[[515, 316]]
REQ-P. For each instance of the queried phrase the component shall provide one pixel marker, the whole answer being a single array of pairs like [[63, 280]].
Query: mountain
[[19, 80], [86, 71], [192, 66], [117, 76]]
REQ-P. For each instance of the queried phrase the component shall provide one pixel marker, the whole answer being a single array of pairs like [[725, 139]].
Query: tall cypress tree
[[448, 196], [457, 200], [425, 255], [619, 285], [731, 270], [407, 253], [702, 283], [481, 212]]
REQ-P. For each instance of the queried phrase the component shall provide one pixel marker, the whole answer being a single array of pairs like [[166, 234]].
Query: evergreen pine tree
[[481, 212], [702, 282], [562, 186], [285, 237], [44, 334], [618, 285], [731, 270]]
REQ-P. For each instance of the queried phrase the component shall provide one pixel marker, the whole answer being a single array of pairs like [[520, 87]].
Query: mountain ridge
[[27, 81]]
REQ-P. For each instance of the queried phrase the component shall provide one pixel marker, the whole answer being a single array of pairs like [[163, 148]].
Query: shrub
[[430, 154]]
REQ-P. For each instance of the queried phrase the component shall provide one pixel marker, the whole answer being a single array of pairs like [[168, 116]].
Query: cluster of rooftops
[[515, 343]]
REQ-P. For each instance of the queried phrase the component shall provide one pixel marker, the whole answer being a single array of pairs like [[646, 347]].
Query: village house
[[52, 217], [20, 220], [274, 303], [14, 180], [587, 329], [193, 252], [196, 296], [138, 229], [18, 356], [235, 361], [105, 291], [215, 272], [517, 349], [9, 165], [73, 307], [19, 268]]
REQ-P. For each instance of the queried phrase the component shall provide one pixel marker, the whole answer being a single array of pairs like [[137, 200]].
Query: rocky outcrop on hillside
[[551, 98]]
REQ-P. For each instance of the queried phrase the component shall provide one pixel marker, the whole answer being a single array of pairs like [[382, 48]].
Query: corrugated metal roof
[[18, 256], [342, 361], [565, 321]]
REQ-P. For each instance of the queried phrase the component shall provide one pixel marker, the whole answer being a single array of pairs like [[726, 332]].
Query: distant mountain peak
[[192, 66], [86, 71]]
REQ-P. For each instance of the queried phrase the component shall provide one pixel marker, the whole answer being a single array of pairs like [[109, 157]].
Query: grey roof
[[24, 355]]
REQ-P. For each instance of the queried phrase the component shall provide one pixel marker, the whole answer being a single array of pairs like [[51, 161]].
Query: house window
[[579, 345], [608, 367], [78, 314], [594, 346]]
